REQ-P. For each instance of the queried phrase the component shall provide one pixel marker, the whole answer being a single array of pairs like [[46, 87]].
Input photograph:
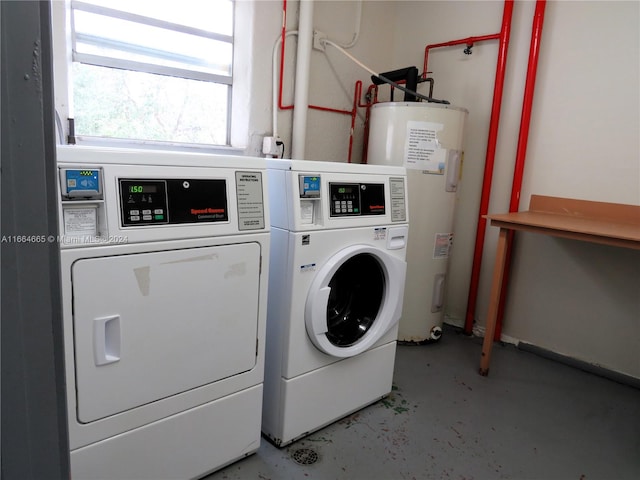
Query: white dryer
[[337, 275], [164, 264]]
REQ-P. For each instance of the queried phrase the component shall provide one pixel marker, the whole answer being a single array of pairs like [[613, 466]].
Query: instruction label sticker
[[422, 150], [398, 205], [442, 245], [250, 204], [310, 267], [80, 221]]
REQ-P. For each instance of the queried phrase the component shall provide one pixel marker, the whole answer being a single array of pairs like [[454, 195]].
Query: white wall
[[576, 299], [332, 76], [579, 299]]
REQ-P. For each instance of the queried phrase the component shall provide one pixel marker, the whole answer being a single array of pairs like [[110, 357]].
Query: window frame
[[66, 54]]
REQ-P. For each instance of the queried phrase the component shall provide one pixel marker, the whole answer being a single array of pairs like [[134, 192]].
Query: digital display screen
[[143, 189], [345, 190]]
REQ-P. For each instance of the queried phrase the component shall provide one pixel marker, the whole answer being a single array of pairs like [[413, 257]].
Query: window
[[158, 71]]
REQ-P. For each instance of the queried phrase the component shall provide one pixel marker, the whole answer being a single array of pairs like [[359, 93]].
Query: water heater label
[[422, 150], [442, 245]]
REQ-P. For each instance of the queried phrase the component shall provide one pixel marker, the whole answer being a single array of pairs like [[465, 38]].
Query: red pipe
[[371, 99], [489, 163], [354, 112], [281, 106], [521, 153], [463, 41], [329, 109], [284, 35]]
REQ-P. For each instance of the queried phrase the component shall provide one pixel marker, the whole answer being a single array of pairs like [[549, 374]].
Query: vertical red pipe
[[354, 112], [523, 138], [370, 99], [281, 106], [488, 166]]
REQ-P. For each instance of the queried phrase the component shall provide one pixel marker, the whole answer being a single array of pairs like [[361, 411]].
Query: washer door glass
[[357, 290]]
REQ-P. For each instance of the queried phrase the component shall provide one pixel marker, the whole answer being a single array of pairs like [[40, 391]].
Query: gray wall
[[34, 422]]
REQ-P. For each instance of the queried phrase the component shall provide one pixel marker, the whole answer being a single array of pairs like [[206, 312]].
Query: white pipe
[[303, 62], [356, 35]]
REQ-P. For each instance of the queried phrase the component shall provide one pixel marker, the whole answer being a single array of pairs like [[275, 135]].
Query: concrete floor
[[531, 418]]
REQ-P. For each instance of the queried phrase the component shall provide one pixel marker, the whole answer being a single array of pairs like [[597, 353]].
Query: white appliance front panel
[[151, 325], [87, 222]]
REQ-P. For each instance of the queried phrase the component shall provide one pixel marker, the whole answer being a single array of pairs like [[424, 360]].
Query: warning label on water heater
[[442, 245], [422, 150]]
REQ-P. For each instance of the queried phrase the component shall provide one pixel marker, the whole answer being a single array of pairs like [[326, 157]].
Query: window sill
[[155, 145]]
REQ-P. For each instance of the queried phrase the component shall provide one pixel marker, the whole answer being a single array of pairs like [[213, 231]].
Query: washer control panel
[[172, 201], [349, 199]]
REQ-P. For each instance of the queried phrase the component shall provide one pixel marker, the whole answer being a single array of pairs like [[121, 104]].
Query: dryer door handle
[[106, 339]]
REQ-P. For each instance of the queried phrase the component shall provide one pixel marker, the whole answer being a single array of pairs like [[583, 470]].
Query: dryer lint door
[[355, 299], [151, 325]]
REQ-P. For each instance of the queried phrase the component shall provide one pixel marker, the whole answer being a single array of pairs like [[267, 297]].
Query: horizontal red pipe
[[462, 41], [329, 109], [521, 152], [489, 163]]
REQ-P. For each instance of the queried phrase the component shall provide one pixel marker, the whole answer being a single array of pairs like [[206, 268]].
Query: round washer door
[[355, 298]]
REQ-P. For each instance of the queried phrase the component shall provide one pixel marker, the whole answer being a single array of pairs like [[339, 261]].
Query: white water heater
[[427, 139]]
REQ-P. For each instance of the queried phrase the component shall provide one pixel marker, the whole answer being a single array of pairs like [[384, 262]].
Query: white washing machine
[[337, 275], [164, 265]]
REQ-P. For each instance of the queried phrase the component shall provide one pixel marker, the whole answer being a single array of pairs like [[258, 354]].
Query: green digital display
[[143, 189]]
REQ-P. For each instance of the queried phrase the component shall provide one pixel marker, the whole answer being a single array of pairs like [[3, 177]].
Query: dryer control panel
[[349, 199], [172, 201]]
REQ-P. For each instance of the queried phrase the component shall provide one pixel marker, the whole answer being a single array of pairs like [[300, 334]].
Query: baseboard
[[581, 365], [478, 331]]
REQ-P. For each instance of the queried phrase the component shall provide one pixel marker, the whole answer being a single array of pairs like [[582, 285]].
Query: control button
[[134, 212], [158, 211], [338, 210], [343, 203], [146, 212], [158, 217], [135, 218], [350, 210], [147, 217]]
